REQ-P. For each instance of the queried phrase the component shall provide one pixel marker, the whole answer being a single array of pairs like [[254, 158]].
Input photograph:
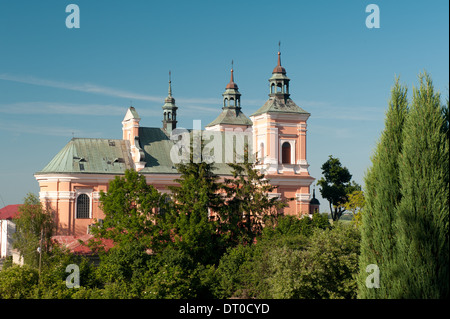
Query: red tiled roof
[[75, 246], [9, 212]]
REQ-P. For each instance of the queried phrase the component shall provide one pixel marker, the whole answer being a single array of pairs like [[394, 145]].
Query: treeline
[[210, 239], [304, 258]]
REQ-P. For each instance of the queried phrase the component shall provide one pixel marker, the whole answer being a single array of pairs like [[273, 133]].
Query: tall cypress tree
[[423, 216], [382, 192]]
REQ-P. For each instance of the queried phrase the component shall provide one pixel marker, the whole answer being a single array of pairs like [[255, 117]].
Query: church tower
[[232, 116], [169, 111], [279, 139]]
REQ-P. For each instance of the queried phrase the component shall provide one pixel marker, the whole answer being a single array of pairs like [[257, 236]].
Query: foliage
[[122, 263], [383, 197], [232, 279], [18, 282], [188, 224], [130, 207], [33, 223], [321, 262], [335, 185], [423, 216], [297, 258], [288, 226], [406, 217], [8, 262], [355, 204], [170, 276], [248, 205], [332, 263]]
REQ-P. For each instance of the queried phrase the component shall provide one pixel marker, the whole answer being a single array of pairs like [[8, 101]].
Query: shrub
[[18, 282]]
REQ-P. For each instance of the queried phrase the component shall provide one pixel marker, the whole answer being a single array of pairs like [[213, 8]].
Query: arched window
[[225, 102], [286, 153], [83, 206], [279, 88], [272, 88], [232, 101]]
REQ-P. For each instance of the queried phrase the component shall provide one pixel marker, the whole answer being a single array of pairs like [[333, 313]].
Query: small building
[[314, 204], [7, 229]]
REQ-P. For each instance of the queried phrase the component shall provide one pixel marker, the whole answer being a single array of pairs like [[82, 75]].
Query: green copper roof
[[231, 116], [106, 156], [91, 156], [279, 105], [156, 146]]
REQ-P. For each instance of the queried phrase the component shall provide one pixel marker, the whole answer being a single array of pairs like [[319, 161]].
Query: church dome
[[314, 200], [279, 68], [231, 84]]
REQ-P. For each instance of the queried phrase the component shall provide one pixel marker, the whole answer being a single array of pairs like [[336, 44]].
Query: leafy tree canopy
[[335, 185]]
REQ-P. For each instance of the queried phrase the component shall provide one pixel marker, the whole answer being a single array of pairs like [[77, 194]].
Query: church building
[[71, 182]]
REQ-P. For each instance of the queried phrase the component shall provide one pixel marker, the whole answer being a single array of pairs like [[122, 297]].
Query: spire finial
[[232, 75], [170, 84], [279, 53], [231, 84]]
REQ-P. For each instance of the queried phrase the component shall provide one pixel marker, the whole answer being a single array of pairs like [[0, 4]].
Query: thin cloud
[[86, 87], [54, 108], [98, 89], [45, 130], [213, 109]]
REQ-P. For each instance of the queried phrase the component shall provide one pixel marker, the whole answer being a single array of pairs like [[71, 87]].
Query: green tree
[[189, 224], [288, 263], [335, 185], [446, 116], [52, 283], [330, 264], [248, 204], [35, 225], [131, 208], [423, 215], [18, 282], [383, 195], [355, 204], [289, 225]]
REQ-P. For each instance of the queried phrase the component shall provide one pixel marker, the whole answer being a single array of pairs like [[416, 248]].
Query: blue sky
[[56, 82]]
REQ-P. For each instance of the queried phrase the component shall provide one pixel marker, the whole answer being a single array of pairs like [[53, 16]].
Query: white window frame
[[280, 153], [87, 192]]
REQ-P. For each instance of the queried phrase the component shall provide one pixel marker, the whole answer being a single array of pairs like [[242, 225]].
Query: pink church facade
[[71, 183]]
